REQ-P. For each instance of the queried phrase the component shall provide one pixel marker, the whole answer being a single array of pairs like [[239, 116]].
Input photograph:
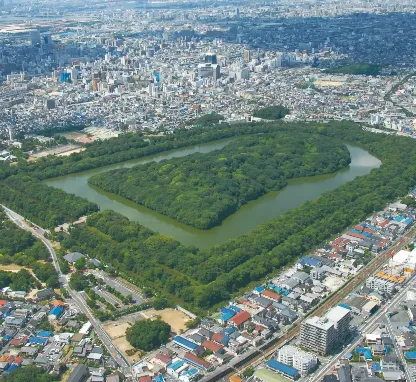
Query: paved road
[[398, 350], [79, 301]]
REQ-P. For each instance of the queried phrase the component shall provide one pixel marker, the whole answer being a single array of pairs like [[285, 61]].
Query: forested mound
[[199, 279], [203, 189], [203, 278]]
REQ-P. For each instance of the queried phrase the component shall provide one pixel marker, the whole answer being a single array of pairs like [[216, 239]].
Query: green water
[[248, 217]]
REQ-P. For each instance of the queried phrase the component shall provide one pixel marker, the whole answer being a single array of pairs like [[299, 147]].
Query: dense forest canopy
[[271, 112], [206, 120], [148, 335], [18, 246], [42, 204], [200, 279], [30, 373], [203, 189], [203, 278]]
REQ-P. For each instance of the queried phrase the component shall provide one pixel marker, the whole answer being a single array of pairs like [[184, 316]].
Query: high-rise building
[[243, 74], [47, 39], [210, 58], [35, 38], [209, 70], [65, 77], [323, 334], [247, 55]]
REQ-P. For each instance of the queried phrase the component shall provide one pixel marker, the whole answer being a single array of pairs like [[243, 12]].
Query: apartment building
[[299, 359], [322, 334], [381, 285]]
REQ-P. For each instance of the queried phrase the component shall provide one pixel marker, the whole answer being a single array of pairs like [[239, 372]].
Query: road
[[387, 97], [398, 351], [332, 301], [368, 328], [79, 301]]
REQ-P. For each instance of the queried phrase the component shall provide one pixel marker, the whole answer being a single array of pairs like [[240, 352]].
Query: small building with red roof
[[162, 360], [19, 341], [272, 295], [217, 337], [209, 345], [240, 318], [18, 361]]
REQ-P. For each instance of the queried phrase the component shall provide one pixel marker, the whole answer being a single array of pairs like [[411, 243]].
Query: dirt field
[[123, 346], [333, 283], [57, 151], [67, 153], [74, 136], [175, 318], [117, 333], [12, 268], [329, 83], [116, 330]]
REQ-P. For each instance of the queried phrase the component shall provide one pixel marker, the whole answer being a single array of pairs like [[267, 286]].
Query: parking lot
[[119, 286]]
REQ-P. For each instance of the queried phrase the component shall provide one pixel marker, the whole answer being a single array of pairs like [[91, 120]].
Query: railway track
[[333, 300]]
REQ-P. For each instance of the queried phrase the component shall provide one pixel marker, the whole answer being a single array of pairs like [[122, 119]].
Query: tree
[[80, 264], [30, 373], [148, 335], [248, 372], [160, 303], [78, 281], [357, 69], [191, 324], [22, 280], [271, 112], [44, 324], [5, 279]]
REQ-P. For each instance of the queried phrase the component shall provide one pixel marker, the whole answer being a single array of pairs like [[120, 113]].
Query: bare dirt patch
[[117, 333], [74, 135], [123, 345], [175, 318], [116, 330], [12, 268], [67, 153], [329, 83]]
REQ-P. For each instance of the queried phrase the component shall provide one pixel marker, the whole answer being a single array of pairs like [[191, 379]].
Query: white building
[[299, 359], [404, 259], [323, 334], [380, 284]]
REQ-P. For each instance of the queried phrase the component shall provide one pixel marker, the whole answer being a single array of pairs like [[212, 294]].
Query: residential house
[[302, 277], [240, 319], [45, 294], [79, 374], [73, 257], [289, 284]]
